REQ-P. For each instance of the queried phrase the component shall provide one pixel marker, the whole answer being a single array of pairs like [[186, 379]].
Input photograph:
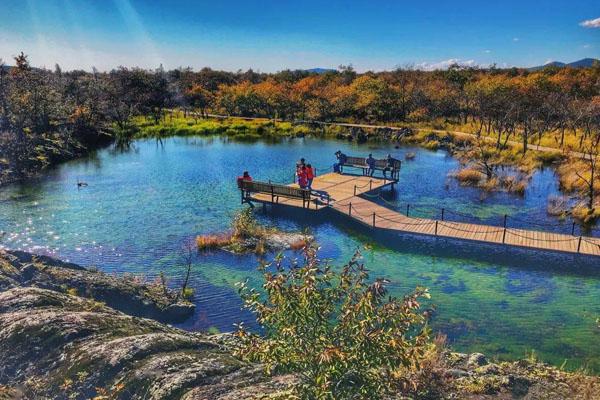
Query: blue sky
[[275, 35]]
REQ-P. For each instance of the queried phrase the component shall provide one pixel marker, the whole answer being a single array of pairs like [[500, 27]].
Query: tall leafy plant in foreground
[[343, 336]]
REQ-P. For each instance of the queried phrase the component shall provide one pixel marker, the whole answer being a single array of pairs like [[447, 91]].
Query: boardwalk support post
[[442, 214], [350, 209], [436, 224], [355, 190], [370, 184], [579, 244], [504, 235], [407, 209], [373, 219], [573, 229], [505, 216]]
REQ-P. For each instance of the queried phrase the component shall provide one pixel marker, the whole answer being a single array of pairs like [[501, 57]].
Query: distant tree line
[[47, 116]]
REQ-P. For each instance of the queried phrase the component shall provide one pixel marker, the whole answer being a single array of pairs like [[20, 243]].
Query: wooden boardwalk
[[345, 192]]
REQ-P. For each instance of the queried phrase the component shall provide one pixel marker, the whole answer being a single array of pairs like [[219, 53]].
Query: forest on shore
[[47, 116]]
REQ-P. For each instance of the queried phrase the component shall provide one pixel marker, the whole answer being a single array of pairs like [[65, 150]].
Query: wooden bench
[[275, 190], [380, 165]]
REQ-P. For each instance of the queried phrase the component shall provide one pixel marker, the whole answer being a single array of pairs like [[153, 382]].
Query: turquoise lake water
[[142, 205]]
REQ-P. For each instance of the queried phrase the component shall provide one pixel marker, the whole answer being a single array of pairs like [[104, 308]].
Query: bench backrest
[[382, 163], [356, 161], [394, 164], [275, 189]]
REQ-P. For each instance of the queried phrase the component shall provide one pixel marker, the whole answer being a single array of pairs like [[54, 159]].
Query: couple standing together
[[305, 174]]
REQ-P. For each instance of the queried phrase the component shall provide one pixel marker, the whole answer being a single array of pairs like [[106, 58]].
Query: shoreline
[[111, 351]]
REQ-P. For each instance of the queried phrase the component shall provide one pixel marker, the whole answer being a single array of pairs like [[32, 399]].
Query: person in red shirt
[[245, 177], [302, 177], [310, 175]]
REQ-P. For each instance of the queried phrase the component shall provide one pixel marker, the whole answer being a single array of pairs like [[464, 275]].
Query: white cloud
[[516, 39], [586, 46], [487, 51], [590, 23], [431, 66]]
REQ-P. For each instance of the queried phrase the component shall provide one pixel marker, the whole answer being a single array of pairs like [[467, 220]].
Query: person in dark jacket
[[341, 160], [370, 161]]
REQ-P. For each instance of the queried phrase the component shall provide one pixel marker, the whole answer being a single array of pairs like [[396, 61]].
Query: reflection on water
[[142, 204]]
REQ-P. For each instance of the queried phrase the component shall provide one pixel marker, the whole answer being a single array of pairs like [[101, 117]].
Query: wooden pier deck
[[345, 193]]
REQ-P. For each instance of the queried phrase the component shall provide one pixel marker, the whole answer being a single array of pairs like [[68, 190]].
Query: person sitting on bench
[[341, 157], [370, 161], [389, 166], [245, 177]]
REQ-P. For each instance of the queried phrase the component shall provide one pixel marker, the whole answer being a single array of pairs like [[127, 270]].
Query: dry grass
[[213, 241], [550, 157], [567, 175], [261, 247], [469, 176], [514, 184], [586, 215], [298, 245], [432, 145]]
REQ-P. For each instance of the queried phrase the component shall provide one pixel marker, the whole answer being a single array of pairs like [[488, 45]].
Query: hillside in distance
[[583, 63]]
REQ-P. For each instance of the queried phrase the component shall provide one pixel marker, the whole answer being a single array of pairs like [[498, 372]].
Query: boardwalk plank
[[340, 187]]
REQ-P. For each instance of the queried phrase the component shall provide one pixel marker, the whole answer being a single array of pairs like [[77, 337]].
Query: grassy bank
[[238, 128], [571, 140]]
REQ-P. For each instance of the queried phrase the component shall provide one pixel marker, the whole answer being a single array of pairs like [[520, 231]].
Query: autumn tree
[[199, 97], [591, 151]]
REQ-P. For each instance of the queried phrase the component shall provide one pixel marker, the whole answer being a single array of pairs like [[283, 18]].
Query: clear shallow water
[[142, 205]]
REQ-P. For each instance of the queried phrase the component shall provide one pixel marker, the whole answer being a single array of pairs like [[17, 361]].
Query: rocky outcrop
[[271, 241], [20, 269], [473, 377], [59, 346]]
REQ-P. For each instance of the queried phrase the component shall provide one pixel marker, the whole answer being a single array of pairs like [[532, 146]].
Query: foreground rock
[[58, 346], [473, 377], [20, 269]]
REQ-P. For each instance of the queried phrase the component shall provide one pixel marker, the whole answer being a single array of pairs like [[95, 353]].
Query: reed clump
[[213, 241], [469, 176], [248, 235]]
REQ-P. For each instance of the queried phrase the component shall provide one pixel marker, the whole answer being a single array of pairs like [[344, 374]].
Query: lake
[[143, 204]]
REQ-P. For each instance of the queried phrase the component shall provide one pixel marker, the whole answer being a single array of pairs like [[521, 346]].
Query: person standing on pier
[[310, 175], [299, 164], [303, 178], [370, 161]]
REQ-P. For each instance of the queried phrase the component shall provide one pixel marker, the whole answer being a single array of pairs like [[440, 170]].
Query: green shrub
[[187, 293], [340, 334], [244, 225]]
